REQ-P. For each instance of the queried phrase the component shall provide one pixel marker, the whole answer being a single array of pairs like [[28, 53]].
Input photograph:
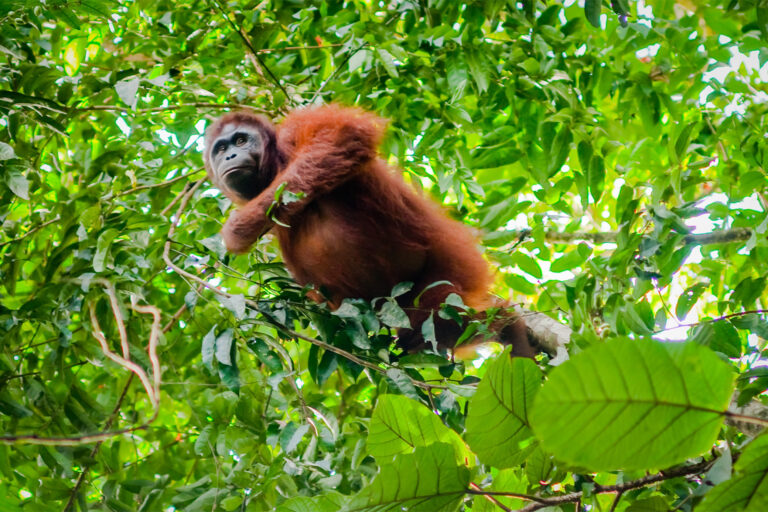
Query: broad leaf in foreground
[[497, 422], [331, 502], [400, 424], [428, 480], [633, 405], [747, 490]]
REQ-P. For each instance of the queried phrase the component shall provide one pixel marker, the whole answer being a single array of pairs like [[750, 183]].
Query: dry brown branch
[[151, 387], [115, 304], [154, 336]]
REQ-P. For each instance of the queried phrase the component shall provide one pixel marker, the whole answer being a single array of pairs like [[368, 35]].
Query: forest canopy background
[[613, 161]]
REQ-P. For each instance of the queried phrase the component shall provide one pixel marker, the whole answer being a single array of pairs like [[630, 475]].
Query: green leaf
[[399, 425], [747, 490], [423, 360], [127, 90], [571, 259], [388, 62], [401, 288], [102, 248], [720, 336], [209, 347], [13, 409], [538, 465], [505, 481], [681, 144], [393, 315], [235, 303], [331, 502], [527, 264], [761, 11], [18, 184], [688, 298], [403, 383], [592, 11], [584, 152], [291, 436], [633, 405], [478, 67], [6, 151], [265, 354], [497, 423], [596, 177], [652, 504], [428, 329], [230, 376], [428, 480], [224, 347], [205, 441]]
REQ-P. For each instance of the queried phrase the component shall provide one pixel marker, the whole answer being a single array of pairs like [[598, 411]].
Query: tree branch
[[168, 107], [716, 237], [261, 66], [295, 48], [645, 481], [31, 231], [151, 387]]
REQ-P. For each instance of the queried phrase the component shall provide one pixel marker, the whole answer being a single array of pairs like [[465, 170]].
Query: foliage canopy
[[614, 161]]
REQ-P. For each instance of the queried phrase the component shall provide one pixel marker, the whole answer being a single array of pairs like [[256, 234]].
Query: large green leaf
[[428, 480], [400, 424], [747, 490], [497, 422], [331, 502], [633, 404]]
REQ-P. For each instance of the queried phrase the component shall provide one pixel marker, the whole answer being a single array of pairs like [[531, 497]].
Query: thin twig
[[718, 237], [167, 327], [156, 185], [616, 501], [152, 388], [261, 65], [72, 440], [336, 72], [294, 48], [95, 450], [115, 304], [493, 500], [31, 231], [718, 319], [10, 377], [167, 107], [154, 336]]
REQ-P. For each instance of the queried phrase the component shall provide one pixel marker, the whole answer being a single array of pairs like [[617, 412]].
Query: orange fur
[[359, 229]]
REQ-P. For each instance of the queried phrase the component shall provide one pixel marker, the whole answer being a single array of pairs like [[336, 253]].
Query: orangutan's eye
[[240, 140]]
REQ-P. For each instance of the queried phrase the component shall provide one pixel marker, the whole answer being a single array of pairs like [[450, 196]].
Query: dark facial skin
[[235, 159]]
